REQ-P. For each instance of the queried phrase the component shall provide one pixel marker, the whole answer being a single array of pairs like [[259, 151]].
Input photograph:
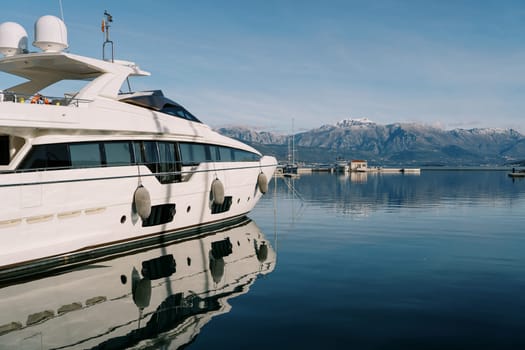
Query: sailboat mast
[[293, 142], [289, 155]]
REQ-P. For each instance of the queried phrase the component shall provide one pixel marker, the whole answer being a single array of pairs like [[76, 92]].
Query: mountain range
[[393, 144]]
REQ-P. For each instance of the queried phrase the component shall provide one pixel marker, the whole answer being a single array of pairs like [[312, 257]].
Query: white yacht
[[99, 168]]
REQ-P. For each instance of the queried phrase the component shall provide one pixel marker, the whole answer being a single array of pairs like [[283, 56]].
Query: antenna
[[105, 29], [61, 11]]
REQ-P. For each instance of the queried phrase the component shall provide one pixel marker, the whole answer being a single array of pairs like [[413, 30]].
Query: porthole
[[123, 279], [238, 243], [248, 199], [123, 219], [188, 209], [188, 261], [238, 200]]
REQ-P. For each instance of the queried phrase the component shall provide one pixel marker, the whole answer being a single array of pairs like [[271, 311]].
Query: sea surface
[[328, 261]]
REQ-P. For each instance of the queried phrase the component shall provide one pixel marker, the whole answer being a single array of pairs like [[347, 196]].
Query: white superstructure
[[99, 167]]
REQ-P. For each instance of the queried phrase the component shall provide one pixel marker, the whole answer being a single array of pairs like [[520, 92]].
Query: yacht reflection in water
[[160, 296]]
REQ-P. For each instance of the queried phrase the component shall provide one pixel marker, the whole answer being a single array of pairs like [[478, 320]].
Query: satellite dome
[[13, 39], [50, 34]]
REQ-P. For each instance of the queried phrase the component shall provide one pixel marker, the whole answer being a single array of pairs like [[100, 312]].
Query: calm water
[[435, 261]]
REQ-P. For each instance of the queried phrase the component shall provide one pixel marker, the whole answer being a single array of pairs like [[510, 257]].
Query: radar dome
[[50, 34], [13, 39]]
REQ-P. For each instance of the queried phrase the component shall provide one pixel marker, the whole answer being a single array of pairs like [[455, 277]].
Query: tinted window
[[46, 156], [85, 155], [199, 153], [186, 153], [225, 154], [117, 153], [166, 153], [214, 153], [36, 158], [57, 156], [151, 155], [193, 153], [178, 111], [4, 150], [167, 162], [244, 156], [137, 151]]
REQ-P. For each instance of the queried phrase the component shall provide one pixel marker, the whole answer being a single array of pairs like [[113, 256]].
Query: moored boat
[[100, 167], [519, 173], [342, 166]]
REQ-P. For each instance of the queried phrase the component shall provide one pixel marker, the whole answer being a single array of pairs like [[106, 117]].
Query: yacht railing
[[67, 100]]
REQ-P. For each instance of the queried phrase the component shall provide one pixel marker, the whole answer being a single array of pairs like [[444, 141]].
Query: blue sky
[[262, 63]]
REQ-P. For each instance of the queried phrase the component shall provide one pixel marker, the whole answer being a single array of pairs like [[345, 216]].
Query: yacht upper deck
[[44, 69]]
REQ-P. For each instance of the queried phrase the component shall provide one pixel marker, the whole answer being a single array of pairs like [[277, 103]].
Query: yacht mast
[[105, 29]]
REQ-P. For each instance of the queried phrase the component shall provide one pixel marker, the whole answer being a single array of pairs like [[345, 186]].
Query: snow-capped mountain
[[393, 144]]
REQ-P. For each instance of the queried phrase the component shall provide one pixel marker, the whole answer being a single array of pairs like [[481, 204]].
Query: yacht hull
[[66, 213]]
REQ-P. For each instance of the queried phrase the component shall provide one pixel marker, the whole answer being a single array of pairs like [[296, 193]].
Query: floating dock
[[395, 170]]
